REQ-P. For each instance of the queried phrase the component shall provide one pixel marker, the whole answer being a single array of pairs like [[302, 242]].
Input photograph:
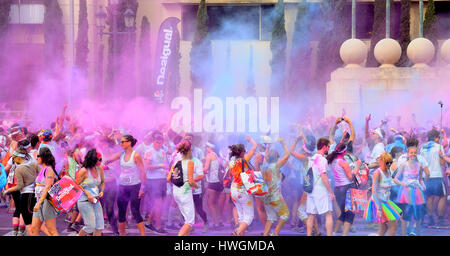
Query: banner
[[168, 37]]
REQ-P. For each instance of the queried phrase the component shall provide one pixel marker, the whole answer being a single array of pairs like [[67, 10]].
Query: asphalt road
[[361, 228]]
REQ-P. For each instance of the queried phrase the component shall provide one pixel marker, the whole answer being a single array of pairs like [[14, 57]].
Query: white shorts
[[244, 204], [318, 203], [183, 198]]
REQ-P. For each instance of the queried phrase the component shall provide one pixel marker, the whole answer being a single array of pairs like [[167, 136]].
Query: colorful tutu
[[389, 211], [410, 195]]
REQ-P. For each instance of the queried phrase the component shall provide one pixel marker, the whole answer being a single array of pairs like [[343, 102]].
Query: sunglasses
[[388, 163], [38, 156], [124, 141]]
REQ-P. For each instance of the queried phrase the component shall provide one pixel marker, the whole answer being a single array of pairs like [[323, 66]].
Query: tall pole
[[115, 51], [421, 18], [388, 18], [353, 18], [72, 48]]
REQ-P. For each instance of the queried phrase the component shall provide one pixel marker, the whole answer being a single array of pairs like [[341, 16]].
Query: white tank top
[[384, 186], [213, 172], [129, 172]]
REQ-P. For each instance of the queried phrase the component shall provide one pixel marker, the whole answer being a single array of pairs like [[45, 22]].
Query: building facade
[[253, 31]]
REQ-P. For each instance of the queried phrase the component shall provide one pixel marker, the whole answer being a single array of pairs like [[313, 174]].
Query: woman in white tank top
[[131, 188], [183, 195]]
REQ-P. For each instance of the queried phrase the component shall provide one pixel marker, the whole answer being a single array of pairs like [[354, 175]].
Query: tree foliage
[[82, 49], [200, 55], [278, 48], [54, 35], [300, 57], [405, 38]]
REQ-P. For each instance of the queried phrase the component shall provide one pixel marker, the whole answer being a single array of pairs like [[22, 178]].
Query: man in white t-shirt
[[379, 148], [320, 200], [435, 191]]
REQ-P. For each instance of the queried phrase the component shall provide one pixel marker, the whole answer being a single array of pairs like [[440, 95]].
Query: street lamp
[[129, 18], [101, 17]]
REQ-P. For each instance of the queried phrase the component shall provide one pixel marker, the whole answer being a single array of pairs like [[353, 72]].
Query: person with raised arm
[[131, 190], [239, 162], [274, 203], [308, 150]]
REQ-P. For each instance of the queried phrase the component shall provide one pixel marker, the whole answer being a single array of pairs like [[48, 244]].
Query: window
[[443, 19], [231, 22], [234, 22], [266, 22], [27, 14]]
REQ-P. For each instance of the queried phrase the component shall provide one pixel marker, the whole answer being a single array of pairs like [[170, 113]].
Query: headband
[[378, 132], [27, 146], [15, 153], [16, 132], [210, 145]]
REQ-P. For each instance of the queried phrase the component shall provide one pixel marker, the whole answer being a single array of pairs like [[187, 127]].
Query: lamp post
[[129, 18]]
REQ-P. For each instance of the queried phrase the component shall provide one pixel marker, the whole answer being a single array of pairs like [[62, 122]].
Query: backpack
[[2, 176], [253, 180], [177, 174], [308, 180]]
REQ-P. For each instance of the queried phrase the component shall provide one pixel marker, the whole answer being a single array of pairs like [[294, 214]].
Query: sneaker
[[412, 233], [70, 228], [299, 229], [372, 234], [161, 231], [150, 226], [431, 221], [21, 233], [314, 233], [205, 228], [441, 223], [15, 233], [77, 226], [273, 234]]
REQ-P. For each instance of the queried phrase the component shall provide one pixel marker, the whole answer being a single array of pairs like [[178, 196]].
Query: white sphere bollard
[[387, 52], [420, 51], [445, 51], [353, 52]]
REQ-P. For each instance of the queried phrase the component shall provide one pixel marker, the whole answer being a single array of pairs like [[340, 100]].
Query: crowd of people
[[123, 177]]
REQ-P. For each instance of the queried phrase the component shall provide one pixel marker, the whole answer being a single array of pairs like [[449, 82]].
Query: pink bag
[[64, 194]]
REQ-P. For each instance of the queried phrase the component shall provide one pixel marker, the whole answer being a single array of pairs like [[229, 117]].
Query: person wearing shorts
[[157, 167], [320, 200], [26, 174], [43, 211], [183, 194], [435, 191], [211, 169]]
